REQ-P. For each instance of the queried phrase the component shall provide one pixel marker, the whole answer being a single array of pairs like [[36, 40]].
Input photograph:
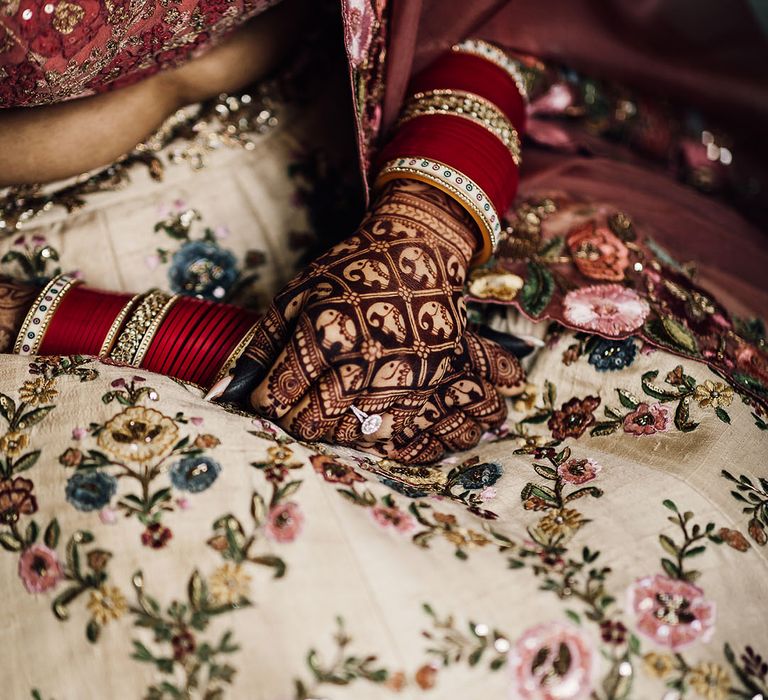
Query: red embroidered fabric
[[54, 51]]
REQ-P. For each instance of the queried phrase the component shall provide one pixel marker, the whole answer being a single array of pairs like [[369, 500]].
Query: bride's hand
[[378, 322]]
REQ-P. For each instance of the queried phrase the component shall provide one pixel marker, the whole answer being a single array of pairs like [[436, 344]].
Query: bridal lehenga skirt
[[609, 542]]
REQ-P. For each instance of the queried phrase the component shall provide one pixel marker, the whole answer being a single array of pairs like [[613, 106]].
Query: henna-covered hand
[[379, 322]]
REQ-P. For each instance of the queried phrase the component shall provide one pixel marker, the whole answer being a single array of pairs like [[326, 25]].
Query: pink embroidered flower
[[79, 433], [647, 419], [285, 522], [488, 493], [400, 520], [39, 568], [672, 613], [578, 471], [108, 516], [553, 661], [359, 29], [609, 309], [598, 253]]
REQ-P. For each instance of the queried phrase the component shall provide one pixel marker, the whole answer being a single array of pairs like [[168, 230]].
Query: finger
[[490, 361], [300, 363], [479, 399], [423, 449]]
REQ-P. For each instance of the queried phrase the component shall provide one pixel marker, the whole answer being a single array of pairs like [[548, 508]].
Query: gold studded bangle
[[117, 324], [234, 356], [39, 316], [466, 105], [491, 52], [140, 322]]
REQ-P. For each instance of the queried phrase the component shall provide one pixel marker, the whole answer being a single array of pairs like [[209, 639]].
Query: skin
[[52, 142]]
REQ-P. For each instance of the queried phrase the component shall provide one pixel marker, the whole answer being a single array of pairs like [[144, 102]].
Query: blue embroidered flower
[[612, 354], [405, 489], [194, 474], [203, 269], [480, 476], [90, 490]]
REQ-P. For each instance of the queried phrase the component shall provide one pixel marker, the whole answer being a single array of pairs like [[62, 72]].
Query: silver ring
[[369, 424]]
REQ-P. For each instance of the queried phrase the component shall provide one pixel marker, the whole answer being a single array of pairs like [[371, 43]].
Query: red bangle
[[165, 346], [460, 71], [82, 321], [463, 145]]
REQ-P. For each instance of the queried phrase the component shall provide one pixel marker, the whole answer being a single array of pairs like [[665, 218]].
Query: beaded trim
[[150, 333], [117, 324], [139, 323], [40, 314], [453, 182], [483, 49], [467, 105], [234, 356]]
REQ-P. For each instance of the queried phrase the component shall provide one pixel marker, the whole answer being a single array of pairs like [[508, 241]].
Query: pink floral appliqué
[[609, 309], [672, 613], [553, 661]]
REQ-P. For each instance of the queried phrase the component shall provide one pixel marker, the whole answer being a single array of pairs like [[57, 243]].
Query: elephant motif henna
[[379, 322]]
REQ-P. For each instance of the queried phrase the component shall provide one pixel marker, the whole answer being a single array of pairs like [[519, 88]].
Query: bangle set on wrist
[[459, 131], [187, 338]]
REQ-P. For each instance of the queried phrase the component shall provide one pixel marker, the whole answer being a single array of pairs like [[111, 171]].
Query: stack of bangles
[[190, 339], [460, 131]]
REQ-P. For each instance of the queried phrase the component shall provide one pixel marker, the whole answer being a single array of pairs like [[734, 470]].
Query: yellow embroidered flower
[[229, 584], [714, 394], [526, 400], [14, 443], [138, 434], [279, 453], [38, 391], [561, 523], [659, 665], [711, 681], [107, 603]]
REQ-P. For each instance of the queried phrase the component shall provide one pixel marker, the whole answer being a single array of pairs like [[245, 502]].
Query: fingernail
[[218, 388], [531, 340]]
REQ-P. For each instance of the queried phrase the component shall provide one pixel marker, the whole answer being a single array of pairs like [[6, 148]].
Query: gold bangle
[[492, 53], [151, 331], [234, 356], [466, 105], [456, 185], [117, 324], [138, 324], [39, 316]]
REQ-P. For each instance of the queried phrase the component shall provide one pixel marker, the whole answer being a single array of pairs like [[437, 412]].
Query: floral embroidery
[[754, 502], [31, 258], [672, 613], [605, 308], [646, 418], [39, 568], [342, 671], [573, 417], [578, 471], [137, 445], [607, 355], [284, 522], [553, 661], [198, 663], [598, 253]]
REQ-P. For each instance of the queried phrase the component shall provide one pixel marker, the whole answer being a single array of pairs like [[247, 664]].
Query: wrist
[[16, 298]]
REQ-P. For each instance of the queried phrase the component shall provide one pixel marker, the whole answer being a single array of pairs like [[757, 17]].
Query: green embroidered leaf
[[542, 492], [552, 247], [682, 415], [656, 391], [52, 533], [10, 542], [92, 630], [574, 616], [604, 428], [545, 471], [680, 335], [670, 504], [668, 544], [695, 551], [59, 605], [586, 491], [196, 590], [670, 568], [258, 509], [613, 413], [537, 418], [722, 415], [7, 407], [274, 562], [627, 399], [537, 290], [32, 532], [26, 461], [33, 417]]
